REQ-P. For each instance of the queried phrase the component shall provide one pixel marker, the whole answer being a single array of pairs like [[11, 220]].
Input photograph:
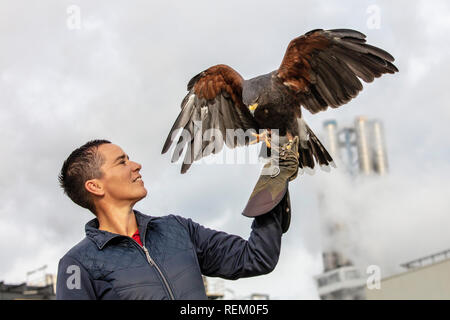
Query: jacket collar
[[101, 237]]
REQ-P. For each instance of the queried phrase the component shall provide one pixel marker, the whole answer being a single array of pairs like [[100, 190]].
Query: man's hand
[[272, 185]]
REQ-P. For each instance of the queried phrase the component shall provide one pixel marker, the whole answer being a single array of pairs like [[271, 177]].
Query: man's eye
[[122, 162]]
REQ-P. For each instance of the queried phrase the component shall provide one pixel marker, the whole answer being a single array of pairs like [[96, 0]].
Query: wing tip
[[165, 149], [185, 167], [167, 144], [349, 33]]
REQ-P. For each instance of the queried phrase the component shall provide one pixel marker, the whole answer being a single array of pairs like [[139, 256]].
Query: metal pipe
[[379, 148], [363, 145]]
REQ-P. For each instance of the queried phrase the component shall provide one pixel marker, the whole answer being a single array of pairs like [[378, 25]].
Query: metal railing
[[427, 260]]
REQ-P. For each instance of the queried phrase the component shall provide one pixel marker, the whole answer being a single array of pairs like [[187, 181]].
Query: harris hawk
[[320, 69]]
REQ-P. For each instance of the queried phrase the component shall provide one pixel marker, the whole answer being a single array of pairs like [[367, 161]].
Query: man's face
[[121, 179]]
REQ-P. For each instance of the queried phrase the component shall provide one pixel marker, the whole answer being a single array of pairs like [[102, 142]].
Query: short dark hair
[[82, 165]]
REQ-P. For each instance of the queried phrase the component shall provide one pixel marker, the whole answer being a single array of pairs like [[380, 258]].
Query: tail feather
[[306, 158], [314, 149]]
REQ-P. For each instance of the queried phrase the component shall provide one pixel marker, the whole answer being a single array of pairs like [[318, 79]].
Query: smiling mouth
[[138, 179]]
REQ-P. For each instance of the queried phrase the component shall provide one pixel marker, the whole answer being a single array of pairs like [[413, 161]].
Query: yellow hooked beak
[[253, 107]]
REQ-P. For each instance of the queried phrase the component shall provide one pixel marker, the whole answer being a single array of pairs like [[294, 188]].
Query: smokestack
[[379, 149], [332, 139], [364, 156]]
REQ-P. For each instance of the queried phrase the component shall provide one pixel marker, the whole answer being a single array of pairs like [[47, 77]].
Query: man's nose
[[136, 166]]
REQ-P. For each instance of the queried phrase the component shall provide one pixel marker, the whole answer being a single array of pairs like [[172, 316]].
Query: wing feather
[[323, 67], [214, 101]]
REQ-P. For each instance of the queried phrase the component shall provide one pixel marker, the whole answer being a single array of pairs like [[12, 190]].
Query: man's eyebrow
[[121, 157]]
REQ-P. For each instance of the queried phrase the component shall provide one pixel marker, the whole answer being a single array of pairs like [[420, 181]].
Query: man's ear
[[95, 187]]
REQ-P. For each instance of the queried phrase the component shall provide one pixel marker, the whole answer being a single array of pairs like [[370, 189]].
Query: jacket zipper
[[153, 263]]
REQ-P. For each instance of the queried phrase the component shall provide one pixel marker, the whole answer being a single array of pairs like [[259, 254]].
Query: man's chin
[[144, 194], [137, 199]]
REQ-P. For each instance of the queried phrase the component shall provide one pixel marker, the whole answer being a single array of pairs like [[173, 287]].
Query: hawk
[[320, 69]]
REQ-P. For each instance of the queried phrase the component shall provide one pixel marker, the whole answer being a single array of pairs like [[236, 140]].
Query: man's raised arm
[[230, 256]]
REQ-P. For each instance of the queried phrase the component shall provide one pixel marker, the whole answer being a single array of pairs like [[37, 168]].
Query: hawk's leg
[[262, 136], [290, 138]]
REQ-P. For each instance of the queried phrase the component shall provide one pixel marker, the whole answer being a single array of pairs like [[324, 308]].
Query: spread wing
[[212, 105], [322, 67]]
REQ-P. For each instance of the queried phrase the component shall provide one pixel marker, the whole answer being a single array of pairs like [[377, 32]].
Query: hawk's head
[[255, 91]]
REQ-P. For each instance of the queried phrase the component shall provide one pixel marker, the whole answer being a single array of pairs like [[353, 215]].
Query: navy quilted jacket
[[176, 252]]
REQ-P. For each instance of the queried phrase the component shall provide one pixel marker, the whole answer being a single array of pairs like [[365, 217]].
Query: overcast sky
[[122, 75]]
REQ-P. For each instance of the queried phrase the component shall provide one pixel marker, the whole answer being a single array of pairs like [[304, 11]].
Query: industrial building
[[23, 291], [214, 288], [39, 285], [360, 147], [360, 150], [426, 278]]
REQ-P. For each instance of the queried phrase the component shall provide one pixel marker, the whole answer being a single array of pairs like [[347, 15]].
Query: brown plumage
[[320, 69]]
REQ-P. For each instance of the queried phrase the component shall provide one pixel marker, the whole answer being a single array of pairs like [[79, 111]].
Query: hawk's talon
[[260, 137]]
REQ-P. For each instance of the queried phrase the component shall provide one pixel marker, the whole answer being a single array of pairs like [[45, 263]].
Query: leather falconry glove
[[272, 185]]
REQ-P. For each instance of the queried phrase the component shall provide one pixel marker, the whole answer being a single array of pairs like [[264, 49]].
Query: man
[[129, 255]]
